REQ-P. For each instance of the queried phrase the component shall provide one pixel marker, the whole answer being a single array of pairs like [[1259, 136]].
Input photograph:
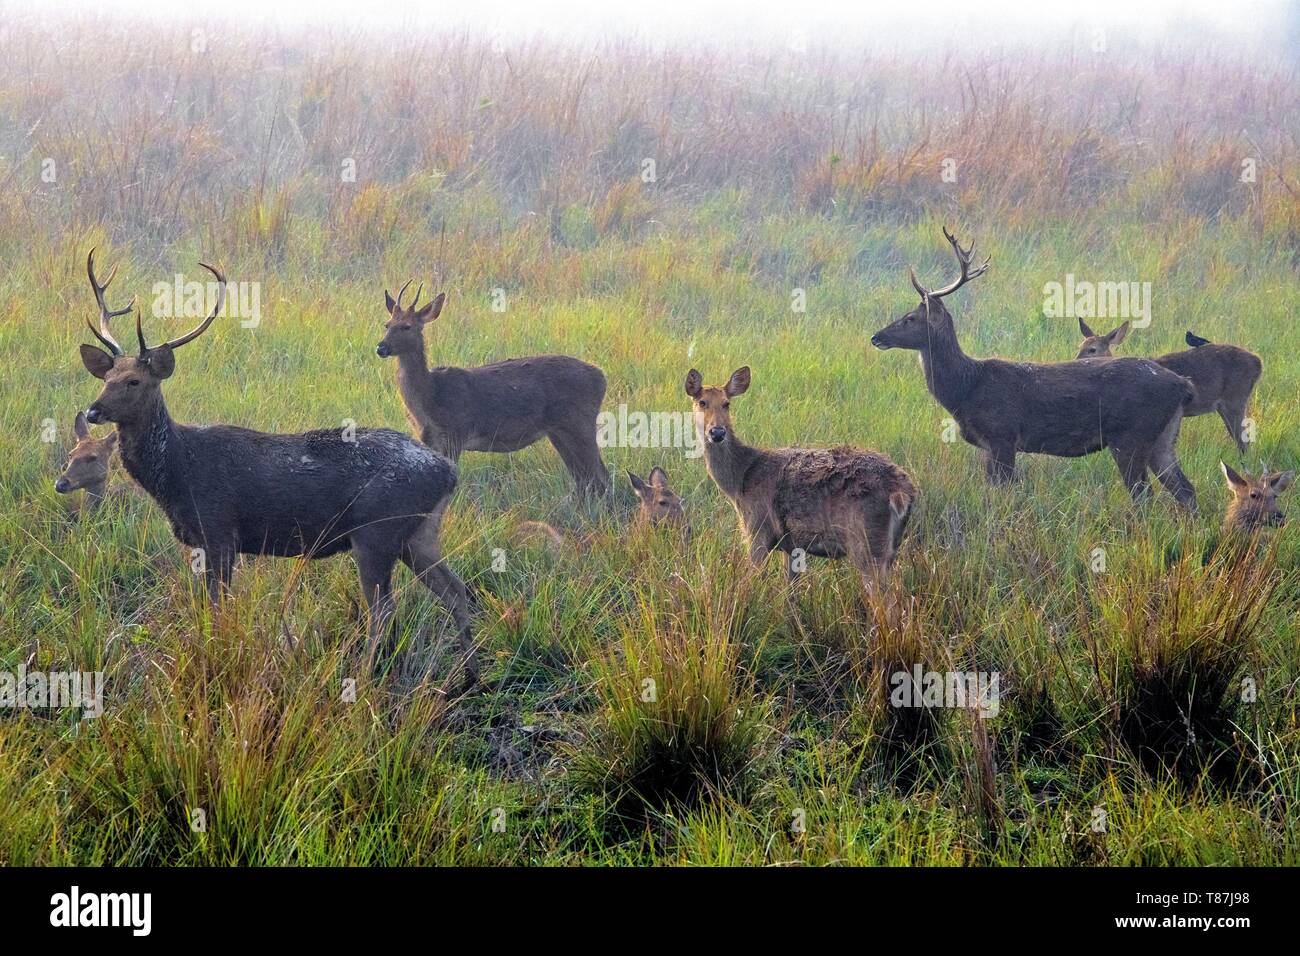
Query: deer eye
[[1254, 494], [703, 403], [726, 404], [405, 328], [133, 382]]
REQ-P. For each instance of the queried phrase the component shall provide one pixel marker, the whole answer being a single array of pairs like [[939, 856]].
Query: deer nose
[[1279, 519], [717, 433], [382, 350], [61, 486], [93, 414], [876, 341]]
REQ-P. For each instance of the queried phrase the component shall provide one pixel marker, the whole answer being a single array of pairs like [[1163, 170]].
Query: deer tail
[[900, 509], [1194, 340], [554, 540]]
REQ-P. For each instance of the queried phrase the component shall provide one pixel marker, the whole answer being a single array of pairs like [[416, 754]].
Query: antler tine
[[401, 292], [203, 327], [963, 260], [917, 285], [416, 301], [103, 333]]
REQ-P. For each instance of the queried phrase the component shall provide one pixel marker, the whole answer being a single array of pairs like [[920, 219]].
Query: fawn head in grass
[[659, 503], [1254, 500], [1099, 346], [87, 465]]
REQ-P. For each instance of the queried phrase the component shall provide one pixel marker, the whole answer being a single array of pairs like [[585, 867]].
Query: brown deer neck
[[728, 463], [949, 372], [94, 493], [146, 447]]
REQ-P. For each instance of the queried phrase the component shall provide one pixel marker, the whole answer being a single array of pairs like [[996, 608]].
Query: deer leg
[[375, 569], [1164, 462], [1000, 464], [581, 455], [1234, 418], [218, 569], [422, 553], [1133, 470]]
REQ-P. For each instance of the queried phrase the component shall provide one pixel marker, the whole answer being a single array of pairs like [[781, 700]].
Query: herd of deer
[[381, 494]]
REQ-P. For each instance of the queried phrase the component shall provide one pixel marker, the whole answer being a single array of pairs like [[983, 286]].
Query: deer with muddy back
[[229, 491], [501, 407], [1224, 376], [831, 503], [1132, 407]]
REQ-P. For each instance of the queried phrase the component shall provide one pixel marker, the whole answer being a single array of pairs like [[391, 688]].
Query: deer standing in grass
[[1133, 407], [501, 407], [831, 503], [1224, 376], [1254, 504], [229, 490], [88, 465]]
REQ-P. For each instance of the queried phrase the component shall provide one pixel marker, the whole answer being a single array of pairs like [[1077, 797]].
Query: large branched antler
[[203, 326], [104, 333], [963, 260]]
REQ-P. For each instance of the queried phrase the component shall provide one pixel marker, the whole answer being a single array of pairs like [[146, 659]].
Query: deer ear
[[161, 361], [96, 360], [1235, 481], [694, 383], [1087, 332], [1281, 481], [1117, 334], [80, 427], [110, 440], [638, 485], [658, 477], [433, 309], [738, 384], [389, 302]]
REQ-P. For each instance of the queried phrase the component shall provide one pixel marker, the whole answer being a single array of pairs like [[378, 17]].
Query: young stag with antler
[[1131, 406], [831, 503], [1224, 376], [1254, 504], [230, 491], [501, 407]]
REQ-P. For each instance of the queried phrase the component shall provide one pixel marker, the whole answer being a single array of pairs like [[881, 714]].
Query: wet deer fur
[[501, 407], [832, 502], [1133, 407], [1224, 376], [230, 490]]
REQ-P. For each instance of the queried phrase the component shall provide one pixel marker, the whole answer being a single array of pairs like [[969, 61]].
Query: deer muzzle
[[382, 350], [63, 486], [94, 414]]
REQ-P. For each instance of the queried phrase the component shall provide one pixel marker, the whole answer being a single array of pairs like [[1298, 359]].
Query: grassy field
[[518, 176]]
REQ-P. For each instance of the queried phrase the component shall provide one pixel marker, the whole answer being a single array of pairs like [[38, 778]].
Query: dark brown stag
[[501, 407], [1224, 376], [229, 490], [1131, 406]]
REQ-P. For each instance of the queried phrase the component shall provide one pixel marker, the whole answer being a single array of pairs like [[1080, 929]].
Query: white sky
[[713, 20]]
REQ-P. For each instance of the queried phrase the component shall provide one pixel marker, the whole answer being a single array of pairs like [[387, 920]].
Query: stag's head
[[1254, 500], [916, 330], [132, 383], [713, 404], [87, 465], [1099, 346], [404, 330], [659, 503]]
